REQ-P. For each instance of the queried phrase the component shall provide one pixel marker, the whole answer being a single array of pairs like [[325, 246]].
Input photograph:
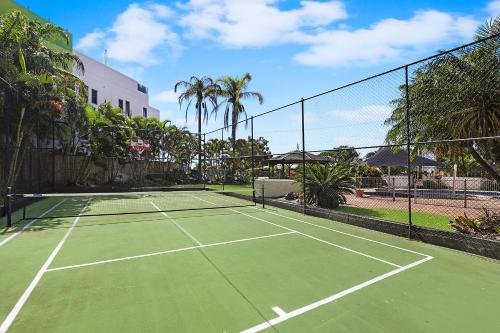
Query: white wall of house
[[113, 86]]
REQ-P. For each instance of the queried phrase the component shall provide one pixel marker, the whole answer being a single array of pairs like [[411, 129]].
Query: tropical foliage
[[234, 92], [343, 155], [231, 161], [456, 96], [35, 82], [326, 186], [486, 225], [201, 91]]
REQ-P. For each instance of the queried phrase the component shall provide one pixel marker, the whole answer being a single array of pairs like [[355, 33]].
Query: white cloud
[[167, 96], [256, 23], [161, 10], [309, 118], [386, 40], [375, 113], [91, 40], [494, 8], [138, 35], [137, 32]]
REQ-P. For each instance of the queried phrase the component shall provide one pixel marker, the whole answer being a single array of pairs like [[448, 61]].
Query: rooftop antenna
[[106, 57]]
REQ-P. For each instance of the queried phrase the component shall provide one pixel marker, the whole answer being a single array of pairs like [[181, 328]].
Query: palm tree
[[455, 96], [199, 90], [34, 80], [326, 186], [234, 91]]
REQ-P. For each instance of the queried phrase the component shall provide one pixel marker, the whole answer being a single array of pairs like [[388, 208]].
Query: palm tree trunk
[[199, 138], [11, 178], [489, 169]]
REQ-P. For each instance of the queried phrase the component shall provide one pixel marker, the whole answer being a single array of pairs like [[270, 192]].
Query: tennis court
[[207, 261]]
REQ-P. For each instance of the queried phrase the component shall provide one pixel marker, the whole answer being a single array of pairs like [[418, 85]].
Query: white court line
[[26, 226], [197, 242], [167, 252], [24, 297], [279, 311], [309, 236], [285, 316], [338, 231]]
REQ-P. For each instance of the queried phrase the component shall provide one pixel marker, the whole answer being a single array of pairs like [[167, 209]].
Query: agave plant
[[326, 186]]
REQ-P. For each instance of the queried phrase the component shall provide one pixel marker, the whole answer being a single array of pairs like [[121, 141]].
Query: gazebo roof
[[386, 157], [295, 157]]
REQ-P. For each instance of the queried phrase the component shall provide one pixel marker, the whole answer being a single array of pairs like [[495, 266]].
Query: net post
[[408, 142], [253, 158], [263, 197], [8, 207], [303, 158], [25, 203]]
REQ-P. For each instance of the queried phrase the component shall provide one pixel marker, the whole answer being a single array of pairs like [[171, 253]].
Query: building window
[[127, 108], [142, 89], [120, 103], [94, 96], [145, 112]]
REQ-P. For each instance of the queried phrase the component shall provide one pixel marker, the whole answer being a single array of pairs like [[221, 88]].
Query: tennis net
[[118, 203]]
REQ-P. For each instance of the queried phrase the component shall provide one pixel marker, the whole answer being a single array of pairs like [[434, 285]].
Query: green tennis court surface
[[237, 268]]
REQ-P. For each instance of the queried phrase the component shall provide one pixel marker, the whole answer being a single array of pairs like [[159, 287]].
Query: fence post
[[303, 158], [415, 189], [53, 155], [222, 160], [393, 189], [204, 162], [408, 142], [465, 193], [253, 159]]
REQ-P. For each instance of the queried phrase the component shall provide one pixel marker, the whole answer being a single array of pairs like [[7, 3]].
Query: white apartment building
[[108, 85]]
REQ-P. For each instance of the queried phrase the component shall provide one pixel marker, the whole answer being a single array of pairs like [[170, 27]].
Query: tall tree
[[34, 80], [456, 96], [234, 92], [201, 91]]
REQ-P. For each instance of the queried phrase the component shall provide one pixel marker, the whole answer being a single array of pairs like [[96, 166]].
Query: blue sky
[[292, 49]]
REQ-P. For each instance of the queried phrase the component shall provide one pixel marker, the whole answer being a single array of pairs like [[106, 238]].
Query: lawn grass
[[230, 187], [429, 220]]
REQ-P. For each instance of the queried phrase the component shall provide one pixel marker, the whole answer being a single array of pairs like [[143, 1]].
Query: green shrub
[[326, 186], [489, 223]]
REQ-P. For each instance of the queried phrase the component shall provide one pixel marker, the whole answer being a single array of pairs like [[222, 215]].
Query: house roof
[[386, 157], [295, 157]]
